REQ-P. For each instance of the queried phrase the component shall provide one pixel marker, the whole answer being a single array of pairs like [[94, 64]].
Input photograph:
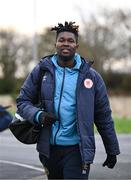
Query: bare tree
[[14, 50], [107, 36]]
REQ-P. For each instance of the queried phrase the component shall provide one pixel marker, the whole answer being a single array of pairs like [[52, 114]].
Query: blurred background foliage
[[104, 40]]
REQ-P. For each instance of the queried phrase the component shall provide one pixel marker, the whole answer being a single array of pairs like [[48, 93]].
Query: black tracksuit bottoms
[[64, 163]]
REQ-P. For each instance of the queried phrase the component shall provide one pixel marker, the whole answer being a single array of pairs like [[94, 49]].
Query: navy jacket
[[92, 107]]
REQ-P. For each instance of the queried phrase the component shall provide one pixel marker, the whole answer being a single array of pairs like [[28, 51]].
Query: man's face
[[66, 45]]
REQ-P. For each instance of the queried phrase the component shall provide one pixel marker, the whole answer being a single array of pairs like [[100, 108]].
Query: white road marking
[[23, 165]]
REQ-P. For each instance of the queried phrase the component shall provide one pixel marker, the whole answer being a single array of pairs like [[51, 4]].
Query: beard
[[66, 58]]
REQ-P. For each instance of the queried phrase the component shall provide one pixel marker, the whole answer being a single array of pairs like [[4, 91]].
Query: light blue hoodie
[[64, 131]]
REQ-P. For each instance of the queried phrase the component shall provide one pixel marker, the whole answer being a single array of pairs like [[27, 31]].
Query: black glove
[[110, 161], [47, 119]]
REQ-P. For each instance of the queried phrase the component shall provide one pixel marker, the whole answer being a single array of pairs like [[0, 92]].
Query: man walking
[[73, 99]]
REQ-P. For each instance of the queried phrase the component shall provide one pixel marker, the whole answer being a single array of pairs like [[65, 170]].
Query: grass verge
[[122, 125]]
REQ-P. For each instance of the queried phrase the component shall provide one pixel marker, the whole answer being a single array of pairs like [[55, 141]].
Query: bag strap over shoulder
[[42, 72]]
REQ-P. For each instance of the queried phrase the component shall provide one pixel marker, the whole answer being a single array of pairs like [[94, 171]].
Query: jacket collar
[[85, 65], [47, 64], [77, 60]]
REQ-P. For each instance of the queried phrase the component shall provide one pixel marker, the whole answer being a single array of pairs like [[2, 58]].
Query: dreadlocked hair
[[69, 27]]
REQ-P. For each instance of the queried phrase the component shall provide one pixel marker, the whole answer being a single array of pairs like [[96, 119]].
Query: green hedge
[[118, 83], [8, 86]]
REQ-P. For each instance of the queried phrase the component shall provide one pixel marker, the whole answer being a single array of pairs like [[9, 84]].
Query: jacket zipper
[[62, 86], [78, 127]]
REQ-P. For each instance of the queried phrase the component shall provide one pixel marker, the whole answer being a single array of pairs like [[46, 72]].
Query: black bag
[[24, 131]]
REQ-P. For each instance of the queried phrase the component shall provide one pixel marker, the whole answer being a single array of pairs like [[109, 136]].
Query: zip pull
[[85, 167]]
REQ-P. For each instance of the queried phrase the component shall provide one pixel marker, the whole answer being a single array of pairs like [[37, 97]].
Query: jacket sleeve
[[28, 97], [103, 119]]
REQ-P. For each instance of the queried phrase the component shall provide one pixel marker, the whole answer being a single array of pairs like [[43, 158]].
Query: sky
[[27, 16]]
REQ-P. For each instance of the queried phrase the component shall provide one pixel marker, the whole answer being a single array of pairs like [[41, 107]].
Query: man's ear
[[77, 46], [55, 45]]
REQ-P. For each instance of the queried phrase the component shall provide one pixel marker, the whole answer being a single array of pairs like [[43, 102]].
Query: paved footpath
[[16, 160]]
